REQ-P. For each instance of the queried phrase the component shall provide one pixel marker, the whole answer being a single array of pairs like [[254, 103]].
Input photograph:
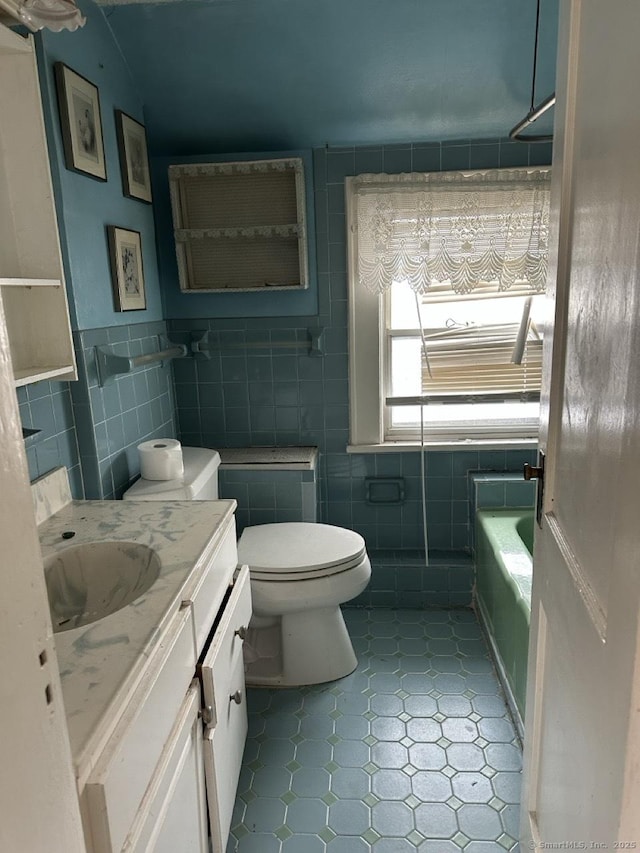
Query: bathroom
[[279, 398], [276, 398]]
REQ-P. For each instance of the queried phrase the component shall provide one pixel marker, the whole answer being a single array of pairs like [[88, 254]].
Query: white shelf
[[30, 282], [40, 372]]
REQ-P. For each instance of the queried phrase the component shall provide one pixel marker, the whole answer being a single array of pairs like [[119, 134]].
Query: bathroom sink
[[89, 581]]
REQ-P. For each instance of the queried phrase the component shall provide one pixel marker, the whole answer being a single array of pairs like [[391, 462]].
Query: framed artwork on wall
[[81, 123], [125, 255], [134, 160]]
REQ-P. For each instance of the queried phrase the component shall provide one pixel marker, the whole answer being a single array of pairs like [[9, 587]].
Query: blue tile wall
[[134, 407], [253, 392], [400, 579], [501, 490], [495, 489], [266, 497], [47, 406]]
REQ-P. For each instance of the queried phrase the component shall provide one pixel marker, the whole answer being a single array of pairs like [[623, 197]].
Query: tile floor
[[413, 751]]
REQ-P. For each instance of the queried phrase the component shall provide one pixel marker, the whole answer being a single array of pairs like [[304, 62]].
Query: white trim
[[365, 352], [445, 444]]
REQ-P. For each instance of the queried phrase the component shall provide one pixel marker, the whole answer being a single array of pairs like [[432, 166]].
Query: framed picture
[[81, 123], [134, 161], [125, 254]]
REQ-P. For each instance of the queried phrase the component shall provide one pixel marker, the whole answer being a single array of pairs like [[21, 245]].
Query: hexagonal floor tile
[[391, 784], [306, 816], [265, 814], [389, 755], [465, 756], [349, 817], [479, 822], [435, 820], [350, 783], [392, 819], [414, 750], [472, 787], [459, 730]]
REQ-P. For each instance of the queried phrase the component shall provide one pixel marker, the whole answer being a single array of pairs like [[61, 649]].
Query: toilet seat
[[295, 551]]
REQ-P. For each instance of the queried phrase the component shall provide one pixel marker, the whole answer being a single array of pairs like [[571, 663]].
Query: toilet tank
[[199, 482]]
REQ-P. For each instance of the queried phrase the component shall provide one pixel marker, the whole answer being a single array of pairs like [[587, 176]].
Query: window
[[446, 283]]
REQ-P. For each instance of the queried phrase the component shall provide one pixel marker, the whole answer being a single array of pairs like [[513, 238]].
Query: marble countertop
[[101, 664]]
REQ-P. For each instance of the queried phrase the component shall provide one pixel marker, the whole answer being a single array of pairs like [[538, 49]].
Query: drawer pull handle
[[206, 714], [241, 632], [236, 697]]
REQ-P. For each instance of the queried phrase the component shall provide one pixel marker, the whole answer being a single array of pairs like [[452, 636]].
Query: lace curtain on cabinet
[[453, 231]]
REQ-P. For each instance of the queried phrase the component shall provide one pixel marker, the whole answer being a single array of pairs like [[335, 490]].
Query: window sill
[[446, 444]]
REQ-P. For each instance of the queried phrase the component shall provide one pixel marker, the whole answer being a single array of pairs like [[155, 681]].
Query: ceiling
[[266, 75]]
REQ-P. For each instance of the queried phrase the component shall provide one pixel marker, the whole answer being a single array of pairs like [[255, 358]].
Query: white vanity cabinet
[[169, 770]]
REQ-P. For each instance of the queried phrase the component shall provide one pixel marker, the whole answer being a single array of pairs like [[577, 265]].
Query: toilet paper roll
[[161, 459]]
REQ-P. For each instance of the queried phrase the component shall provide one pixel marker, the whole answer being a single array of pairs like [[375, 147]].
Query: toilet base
[[309, 647]]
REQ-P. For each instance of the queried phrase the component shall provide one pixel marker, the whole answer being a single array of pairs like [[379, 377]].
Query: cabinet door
[[222, 674], [118, 781], [172, 815]]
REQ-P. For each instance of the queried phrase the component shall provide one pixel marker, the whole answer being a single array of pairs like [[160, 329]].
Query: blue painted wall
[[264, 75], [268, 304], [86, 206]]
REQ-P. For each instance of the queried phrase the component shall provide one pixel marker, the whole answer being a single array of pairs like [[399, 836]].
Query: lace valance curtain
[[462, 230]]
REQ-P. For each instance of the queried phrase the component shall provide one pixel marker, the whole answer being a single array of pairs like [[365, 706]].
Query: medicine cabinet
[[240, 226]]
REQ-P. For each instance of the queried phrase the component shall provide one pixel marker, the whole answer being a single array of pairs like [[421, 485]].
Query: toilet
[[301, 572]]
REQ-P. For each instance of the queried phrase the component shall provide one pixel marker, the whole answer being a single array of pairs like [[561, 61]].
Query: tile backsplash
[[47, 406], [113, 419]]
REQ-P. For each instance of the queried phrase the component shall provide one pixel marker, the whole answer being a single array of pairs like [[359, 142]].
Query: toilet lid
[[299, 547]]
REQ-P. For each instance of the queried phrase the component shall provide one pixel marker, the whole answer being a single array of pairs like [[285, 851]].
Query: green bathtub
[[504, 545]]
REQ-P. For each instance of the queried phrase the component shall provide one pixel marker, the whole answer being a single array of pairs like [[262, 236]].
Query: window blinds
[[475, 365]]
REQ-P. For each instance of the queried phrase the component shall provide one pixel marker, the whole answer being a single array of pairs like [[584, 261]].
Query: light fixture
[[55, 15], [517, 132]]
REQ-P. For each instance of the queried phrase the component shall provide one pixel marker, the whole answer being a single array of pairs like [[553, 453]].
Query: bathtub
[[504, 545]]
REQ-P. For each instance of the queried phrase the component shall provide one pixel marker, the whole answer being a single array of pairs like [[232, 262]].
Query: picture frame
[[127, 274], [81, 123], [134, 159]]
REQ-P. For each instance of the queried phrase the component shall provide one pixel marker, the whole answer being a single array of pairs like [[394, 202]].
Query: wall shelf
[[31, 274], [240, 226], [40, 372], [30, 282]]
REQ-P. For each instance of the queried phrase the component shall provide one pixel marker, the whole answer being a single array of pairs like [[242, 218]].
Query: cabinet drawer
[[172, 815], [116, 785], [207, 597], [223, 749], [220, 661]]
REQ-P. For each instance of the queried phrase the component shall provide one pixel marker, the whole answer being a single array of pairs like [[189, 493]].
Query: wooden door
[[582, 744]]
